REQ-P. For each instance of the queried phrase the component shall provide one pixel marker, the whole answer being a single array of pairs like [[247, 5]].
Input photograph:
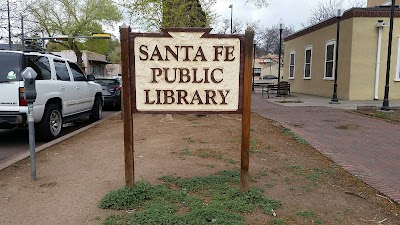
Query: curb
[[56, 141]]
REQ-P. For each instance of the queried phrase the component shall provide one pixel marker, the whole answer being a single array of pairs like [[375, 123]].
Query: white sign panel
[[187, 72]]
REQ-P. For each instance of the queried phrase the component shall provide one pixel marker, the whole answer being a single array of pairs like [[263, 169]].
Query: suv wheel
[[50, 126], [97, 110]]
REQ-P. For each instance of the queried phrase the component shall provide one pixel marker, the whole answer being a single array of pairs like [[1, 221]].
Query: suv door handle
[[77, 87], [62, 88]]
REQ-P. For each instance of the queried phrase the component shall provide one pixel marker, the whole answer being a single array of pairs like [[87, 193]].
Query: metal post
[[31, 126], [43, 43], [386, 98], [334, 97], [254, 63], [231, 6], [22, 33], [279, 63], [9, 25]]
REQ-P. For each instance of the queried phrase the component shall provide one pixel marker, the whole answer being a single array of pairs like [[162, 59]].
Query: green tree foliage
[[183, 13], [115, 55], [150, 15], [74, 18], [153, 14], [111, 48]]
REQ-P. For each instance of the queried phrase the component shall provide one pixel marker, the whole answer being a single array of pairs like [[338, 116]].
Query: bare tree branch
[[324, 10]]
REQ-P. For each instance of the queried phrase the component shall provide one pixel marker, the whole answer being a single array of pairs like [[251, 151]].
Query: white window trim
[[294, 64], [397, 77], [309, 47], [330, 42]]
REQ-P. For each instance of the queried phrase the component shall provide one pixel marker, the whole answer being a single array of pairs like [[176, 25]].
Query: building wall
[[372, 3], [267, 68], [113, 69], [317, 85], [365, 48], [89, 60]]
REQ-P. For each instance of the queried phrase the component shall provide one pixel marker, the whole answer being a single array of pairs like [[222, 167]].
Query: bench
[[284, 89]]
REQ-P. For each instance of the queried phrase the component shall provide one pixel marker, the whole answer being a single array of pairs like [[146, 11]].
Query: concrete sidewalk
[[310, 100], [366, 147]]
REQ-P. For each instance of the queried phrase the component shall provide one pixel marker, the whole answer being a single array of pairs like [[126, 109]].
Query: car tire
[[49, 128], [97, 110], [118, 106]]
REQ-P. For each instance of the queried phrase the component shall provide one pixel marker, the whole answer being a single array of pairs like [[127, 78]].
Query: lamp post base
[[385, 108], [334, 102]]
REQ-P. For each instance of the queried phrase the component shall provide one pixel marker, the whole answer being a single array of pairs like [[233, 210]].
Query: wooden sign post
[[182, 71]]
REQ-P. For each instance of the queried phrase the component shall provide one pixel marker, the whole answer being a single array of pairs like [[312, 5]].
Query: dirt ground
[[74, 175]]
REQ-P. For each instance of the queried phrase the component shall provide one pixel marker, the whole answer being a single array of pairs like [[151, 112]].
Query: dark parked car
[[111, 90], [269, 77]]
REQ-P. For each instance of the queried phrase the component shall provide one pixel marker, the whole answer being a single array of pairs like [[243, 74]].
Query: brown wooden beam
[[248, 60], [128, 120]]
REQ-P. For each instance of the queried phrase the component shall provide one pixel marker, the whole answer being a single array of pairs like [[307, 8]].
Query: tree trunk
[[78, 54]]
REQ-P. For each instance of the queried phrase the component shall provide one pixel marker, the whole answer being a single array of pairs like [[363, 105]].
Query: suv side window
[[41, 66], [61, 70], [76, 72]]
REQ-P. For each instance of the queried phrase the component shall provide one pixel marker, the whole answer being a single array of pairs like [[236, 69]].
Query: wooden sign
[[185, 70]]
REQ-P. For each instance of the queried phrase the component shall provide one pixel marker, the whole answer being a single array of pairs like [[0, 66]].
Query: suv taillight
[[22, 101]]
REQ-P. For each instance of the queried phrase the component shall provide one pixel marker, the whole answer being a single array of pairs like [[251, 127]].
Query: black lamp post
[[231, 7], [278, 93], [254, 63], [9, 25], [338, 14], [385, 105]]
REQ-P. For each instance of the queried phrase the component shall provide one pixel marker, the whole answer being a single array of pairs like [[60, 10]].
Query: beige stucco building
[[266, 65], [93, 63], [310, 56]]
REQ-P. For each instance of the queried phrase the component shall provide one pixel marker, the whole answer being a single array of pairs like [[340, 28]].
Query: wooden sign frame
[[129, 94]]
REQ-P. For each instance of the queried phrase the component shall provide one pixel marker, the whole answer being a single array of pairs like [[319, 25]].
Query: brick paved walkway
[[366, 147]]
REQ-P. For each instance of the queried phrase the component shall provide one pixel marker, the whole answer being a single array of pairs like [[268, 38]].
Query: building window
[[307, 62], [257, 72], [329, 60], [397, 78], [292, 62]]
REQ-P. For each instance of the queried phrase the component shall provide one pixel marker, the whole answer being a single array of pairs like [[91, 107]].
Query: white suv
[[64, 93]]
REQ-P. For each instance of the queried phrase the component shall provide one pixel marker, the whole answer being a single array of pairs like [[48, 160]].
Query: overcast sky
[[292, 12]]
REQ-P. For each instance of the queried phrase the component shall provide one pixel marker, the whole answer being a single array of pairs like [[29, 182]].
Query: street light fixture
[[385, 105], [281, 25], [231, 7], [338, 13]]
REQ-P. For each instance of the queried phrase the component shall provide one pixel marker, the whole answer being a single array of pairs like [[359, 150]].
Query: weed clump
[[296, 138], [212, 199]]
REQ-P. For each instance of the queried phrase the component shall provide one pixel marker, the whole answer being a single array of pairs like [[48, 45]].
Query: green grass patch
[[257, 147], [381, 115], [260, 174], [213, 199], [277, 222], [185, 151], [313, 175], [298, 139], [306, 214], [208, 153]]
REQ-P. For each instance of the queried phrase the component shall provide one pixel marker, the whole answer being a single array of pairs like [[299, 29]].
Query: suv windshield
[[10, 66]]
